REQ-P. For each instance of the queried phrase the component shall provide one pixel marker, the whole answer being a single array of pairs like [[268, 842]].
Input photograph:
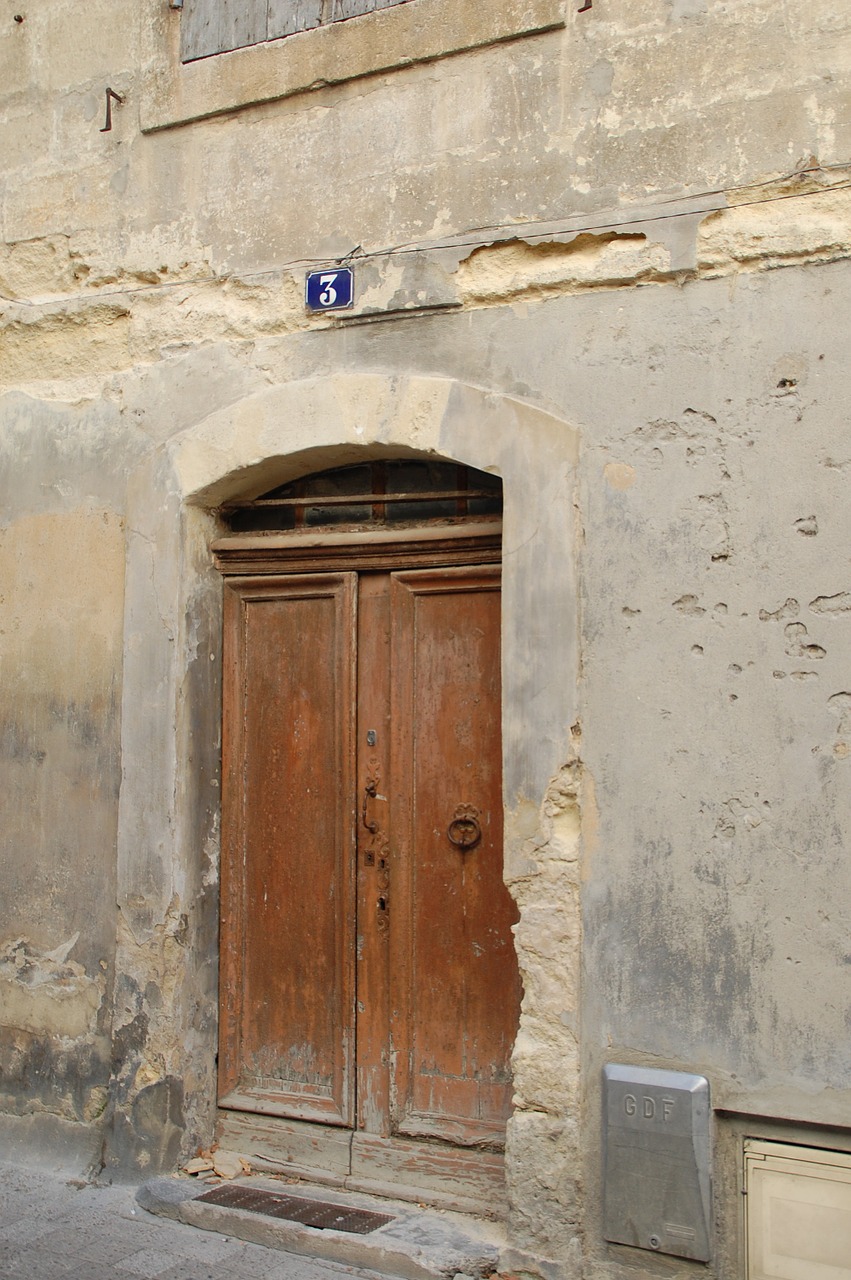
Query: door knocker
[[464, 830]]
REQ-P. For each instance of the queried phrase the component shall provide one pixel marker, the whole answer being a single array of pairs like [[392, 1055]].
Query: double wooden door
[[368, 977]]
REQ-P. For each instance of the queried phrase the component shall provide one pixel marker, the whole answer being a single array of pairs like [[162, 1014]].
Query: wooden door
[[368, 977], [287, 981]]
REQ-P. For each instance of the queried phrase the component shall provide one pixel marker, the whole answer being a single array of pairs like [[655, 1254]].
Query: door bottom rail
[[465, 1180]]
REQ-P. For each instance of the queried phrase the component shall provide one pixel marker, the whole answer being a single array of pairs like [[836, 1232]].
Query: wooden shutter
[[286, 17], [215, 26], [341, 9]]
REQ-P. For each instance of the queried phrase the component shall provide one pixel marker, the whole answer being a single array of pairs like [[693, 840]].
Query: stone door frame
[[165, 1009]]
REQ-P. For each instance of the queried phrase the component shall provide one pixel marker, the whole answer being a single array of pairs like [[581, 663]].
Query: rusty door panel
[[287, 977], [368, 976], [374, 857], [454, 979]]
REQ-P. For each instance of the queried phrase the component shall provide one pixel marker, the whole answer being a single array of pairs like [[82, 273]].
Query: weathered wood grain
[[286, 17], [215, 26]]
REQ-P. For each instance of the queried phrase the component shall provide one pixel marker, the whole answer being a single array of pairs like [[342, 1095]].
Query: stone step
[[415, 1244]]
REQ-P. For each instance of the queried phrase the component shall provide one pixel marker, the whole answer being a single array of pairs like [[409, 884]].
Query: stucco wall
[[606, 258]]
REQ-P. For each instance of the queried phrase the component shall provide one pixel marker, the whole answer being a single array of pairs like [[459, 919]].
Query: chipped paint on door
[[363, 900]]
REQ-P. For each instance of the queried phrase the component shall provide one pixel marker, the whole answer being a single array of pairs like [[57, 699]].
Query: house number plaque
[[331, 289]]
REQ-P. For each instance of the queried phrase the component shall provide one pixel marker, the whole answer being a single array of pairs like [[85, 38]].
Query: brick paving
[[56, 1228]]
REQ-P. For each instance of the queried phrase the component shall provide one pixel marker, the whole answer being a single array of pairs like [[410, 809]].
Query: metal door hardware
[[464, 830], [370, 791]]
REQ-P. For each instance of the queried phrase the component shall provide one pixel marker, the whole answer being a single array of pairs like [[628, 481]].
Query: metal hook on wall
[[111, 96]]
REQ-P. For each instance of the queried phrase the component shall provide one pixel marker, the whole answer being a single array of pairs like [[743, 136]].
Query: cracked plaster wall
[[678, 295], [62, 589]]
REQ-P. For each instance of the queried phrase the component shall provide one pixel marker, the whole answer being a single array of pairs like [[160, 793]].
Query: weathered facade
[[601, 252]]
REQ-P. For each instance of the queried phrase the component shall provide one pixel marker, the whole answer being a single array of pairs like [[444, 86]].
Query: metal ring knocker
[[464, 830]]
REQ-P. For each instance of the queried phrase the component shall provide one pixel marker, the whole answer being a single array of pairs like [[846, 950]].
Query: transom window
[[217, 26], [395, 492]]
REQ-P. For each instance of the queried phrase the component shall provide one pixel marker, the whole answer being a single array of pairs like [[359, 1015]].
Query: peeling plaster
[[44, 990], [564, 241]]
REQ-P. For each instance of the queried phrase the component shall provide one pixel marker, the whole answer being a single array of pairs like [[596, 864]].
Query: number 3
[[328, 296]]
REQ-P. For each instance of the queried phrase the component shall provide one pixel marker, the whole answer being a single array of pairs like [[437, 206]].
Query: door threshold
[[408, 1241], [462, 1180]]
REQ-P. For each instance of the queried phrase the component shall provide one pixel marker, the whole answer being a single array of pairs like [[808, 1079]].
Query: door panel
[[287, 980], [368, 976], [454, 978], [374, 858]]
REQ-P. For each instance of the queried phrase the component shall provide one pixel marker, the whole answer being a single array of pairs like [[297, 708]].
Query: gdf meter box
[[657, 1184]]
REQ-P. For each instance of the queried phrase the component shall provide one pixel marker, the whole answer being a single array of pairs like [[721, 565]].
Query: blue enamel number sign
[[331, 289]]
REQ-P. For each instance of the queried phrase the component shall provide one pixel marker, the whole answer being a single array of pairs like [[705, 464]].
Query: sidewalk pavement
[[53, 1227]]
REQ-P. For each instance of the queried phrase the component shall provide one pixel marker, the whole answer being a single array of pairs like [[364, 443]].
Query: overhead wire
[[480, 237]]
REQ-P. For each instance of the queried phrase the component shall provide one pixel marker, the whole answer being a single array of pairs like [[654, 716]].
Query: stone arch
[[168, 832]]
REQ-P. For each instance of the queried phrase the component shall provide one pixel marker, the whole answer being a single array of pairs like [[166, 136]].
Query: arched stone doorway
[[369, 988], [169, 843]]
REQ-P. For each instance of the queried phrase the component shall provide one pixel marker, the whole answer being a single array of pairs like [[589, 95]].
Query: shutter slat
[[216, 26], [341, 9], [288, 16]]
